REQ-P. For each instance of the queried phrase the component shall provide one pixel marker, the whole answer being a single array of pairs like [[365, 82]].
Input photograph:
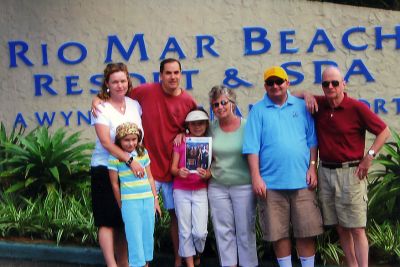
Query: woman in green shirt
[[230, 194]]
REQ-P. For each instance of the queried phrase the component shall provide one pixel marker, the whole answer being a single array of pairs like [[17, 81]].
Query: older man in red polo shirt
[[342, 123]]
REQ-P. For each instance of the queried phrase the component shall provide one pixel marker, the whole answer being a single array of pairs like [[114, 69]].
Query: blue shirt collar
[[268, 102]]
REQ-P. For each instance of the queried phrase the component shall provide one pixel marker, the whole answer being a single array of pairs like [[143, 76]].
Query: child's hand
[[205, 174], [183, 172], [157, 207]]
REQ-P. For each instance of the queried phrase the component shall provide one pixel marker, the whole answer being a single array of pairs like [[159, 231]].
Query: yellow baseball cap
[[275, 71]]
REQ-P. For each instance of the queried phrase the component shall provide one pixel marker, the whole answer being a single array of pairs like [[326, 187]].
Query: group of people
[[197, 156], [270, 159]]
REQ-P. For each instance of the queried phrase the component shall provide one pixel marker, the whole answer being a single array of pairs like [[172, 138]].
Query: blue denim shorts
[[167, 193]]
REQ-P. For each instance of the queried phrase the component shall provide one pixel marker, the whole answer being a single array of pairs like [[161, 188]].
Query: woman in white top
[[117, 109]]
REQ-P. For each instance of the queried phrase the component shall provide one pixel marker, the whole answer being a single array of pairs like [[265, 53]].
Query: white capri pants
[[233, 214], [191, 208]]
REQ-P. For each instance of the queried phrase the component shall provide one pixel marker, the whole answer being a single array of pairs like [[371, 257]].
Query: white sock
[[307, 261], [285, 261]]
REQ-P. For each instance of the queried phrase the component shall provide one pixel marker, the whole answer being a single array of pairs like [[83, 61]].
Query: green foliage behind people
[[55, 217], [12, 138], [384, 204], [384, 187], [45, 194], [385, 241], [41, 161]]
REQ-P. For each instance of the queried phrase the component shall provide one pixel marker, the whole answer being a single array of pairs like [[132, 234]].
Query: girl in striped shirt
[[136, 196]]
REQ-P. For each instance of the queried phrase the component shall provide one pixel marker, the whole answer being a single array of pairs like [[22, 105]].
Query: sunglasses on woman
[[222, 103]]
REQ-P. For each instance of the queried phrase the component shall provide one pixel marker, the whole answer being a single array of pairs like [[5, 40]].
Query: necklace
[[332, 112], [120, 107]]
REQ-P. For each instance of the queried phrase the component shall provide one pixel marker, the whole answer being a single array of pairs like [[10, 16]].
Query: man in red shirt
[[341, 124], [164, 109]]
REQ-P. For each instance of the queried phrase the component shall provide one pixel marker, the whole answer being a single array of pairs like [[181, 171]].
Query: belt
[[336, 165]]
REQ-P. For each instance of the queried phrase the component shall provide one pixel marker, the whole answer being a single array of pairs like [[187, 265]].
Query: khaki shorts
[[343, 197], [283, 208]]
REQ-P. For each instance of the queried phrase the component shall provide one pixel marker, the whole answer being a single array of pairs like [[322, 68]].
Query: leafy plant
[[52, 217], [385, 241], [328, 249], [13, 138], [384, 187], [161, 229], [41, 161], [260, 243]]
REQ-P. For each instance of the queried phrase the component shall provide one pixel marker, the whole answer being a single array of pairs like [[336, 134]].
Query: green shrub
[[40, 162], [385, 241], [162, 235], [13, 138], [328, 249], [56, 217], [384, 187]]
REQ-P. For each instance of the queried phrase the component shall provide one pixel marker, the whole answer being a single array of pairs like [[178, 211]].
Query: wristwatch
[[371, 152], [129, 161]]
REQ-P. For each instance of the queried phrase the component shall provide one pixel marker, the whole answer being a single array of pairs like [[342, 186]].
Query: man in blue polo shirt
[[281, 146]]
